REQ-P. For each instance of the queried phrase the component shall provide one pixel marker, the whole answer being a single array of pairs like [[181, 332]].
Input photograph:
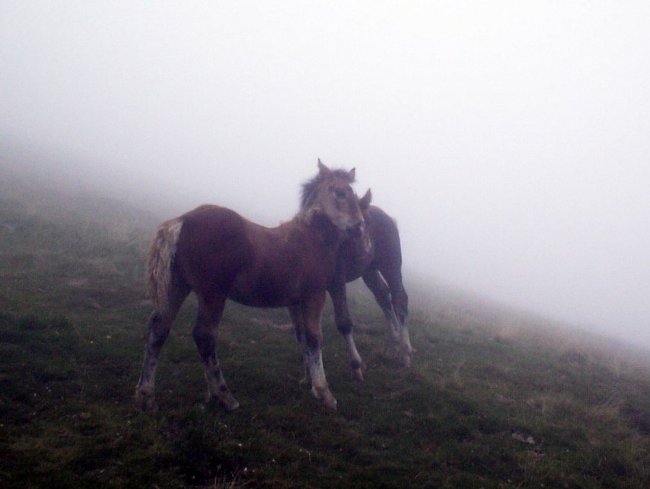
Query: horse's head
[[330, 194]]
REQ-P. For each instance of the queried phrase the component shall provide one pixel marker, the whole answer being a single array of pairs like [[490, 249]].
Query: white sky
[[511, 140]]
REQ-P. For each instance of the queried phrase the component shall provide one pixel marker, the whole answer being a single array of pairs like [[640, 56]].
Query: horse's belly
[[264, 292], [254, 300]]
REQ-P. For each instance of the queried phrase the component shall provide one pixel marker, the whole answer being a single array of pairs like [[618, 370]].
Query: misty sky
[[511, 140]]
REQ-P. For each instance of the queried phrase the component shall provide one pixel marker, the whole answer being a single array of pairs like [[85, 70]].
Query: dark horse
[[381, 270], [219, 255]]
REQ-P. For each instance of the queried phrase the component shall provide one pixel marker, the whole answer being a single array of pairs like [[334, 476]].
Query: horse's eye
[[339, 193]]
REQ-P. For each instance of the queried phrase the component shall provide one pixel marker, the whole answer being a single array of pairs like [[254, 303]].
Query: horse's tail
[[159, 263]]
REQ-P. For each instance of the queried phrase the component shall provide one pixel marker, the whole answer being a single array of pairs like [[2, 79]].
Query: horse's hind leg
[[383, 296], [380, 290], [205, 337], [344, 325], [159, 325], [400, 304], [399, 299]]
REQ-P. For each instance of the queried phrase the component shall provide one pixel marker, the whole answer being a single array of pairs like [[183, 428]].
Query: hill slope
[[479, 407]]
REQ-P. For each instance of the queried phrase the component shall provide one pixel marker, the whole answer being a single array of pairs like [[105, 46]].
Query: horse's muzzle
[[356, 231]]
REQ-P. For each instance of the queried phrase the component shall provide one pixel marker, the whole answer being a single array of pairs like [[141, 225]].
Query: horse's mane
[[309, 188]]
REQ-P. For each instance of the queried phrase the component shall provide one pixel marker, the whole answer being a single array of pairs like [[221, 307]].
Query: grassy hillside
[[486, 404]]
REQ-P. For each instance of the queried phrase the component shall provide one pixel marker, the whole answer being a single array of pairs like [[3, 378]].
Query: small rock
[[502, 399], [523, 438]]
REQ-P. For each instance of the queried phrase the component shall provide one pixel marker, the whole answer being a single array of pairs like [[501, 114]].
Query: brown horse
[[219, 255], [381, 271]]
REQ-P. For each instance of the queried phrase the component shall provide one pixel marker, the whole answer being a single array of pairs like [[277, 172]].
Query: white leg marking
[[318, 381], [406, 339], [393, 326]]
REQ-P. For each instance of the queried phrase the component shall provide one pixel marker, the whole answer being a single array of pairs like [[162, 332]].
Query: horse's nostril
[[356, 231]]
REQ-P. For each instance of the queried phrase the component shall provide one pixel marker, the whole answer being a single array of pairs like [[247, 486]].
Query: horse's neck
[[315, 230]]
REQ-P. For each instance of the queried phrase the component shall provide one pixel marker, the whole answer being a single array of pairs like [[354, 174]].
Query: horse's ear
[[364, 202], [352, 173], [322, 168]]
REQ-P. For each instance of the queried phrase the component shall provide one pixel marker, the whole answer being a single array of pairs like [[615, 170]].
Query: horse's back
[[212, 247], [209, 225], [220, 252]]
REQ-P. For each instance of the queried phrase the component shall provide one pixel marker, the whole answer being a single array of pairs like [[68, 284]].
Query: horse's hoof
[[406, 360], [225, 399], [146, 401], [326, 397], [331, 404], [357, 375], [329, 401], [408, 349], [231, 405]]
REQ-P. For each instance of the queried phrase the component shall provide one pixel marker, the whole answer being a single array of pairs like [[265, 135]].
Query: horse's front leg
[[313, 341], [298, 320], [345, 326]]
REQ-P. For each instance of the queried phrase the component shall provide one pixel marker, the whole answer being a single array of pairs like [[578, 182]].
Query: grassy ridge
[[478, 408]]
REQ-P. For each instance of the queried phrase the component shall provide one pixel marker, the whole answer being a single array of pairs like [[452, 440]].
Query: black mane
[[309, 188]]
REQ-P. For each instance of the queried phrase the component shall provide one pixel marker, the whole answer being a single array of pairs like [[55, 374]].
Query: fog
[[510, 140]]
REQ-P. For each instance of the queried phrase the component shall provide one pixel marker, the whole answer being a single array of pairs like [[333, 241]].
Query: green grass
[[477, 409]]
